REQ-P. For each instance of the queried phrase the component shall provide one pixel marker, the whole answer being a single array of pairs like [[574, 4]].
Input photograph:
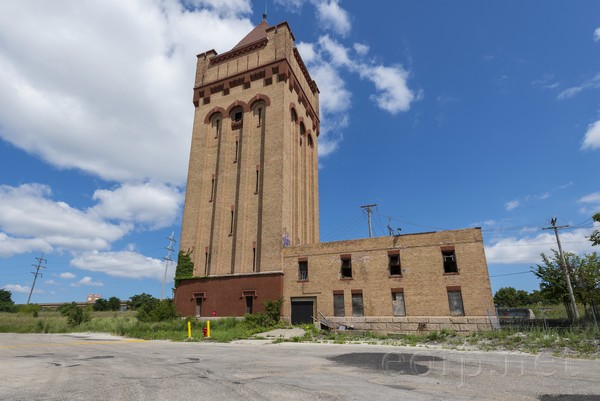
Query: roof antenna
[[265, 12]]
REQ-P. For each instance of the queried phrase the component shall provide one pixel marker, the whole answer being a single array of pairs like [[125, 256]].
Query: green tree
[[6, 302], [509, 297], [595, 237], [157, 311], [587, 282], [114, 303], [553, 285], [139, 300], [185, 267], [100, 305], [74, 314]]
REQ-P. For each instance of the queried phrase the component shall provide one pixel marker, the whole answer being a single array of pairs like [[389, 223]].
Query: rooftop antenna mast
[[369, 210]]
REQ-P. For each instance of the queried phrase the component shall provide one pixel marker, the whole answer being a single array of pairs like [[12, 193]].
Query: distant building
[[251, 215], [92, 298]]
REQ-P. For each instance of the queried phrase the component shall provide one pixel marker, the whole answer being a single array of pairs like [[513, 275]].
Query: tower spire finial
[[265, 12]]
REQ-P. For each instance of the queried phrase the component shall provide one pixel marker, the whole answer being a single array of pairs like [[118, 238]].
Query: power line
[[36, 273], [510, 274]]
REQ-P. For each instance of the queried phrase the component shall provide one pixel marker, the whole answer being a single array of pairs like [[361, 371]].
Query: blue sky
[[445, 114]]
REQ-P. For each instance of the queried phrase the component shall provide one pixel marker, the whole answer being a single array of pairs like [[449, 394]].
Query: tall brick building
[[251, 215]]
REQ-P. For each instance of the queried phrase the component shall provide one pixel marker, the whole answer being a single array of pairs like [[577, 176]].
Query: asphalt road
[[101, 367]]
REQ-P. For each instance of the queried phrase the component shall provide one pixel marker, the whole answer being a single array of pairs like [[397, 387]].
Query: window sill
[[395, 276], [302, 281], [451, 274], [346, 278]]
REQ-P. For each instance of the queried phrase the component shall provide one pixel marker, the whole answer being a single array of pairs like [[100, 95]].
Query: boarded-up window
[[338, 305], [456, 303], [398, 308], [357, 305]]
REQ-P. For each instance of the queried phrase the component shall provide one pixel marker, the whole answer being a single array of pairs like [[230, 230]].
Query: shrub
[[139, 300], [34, 309], [157, 311], [74, 314], [6, 302]]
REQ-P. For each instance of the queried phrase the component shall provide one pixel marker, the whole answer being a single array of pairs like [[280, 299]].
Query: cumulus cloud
[[333, 17], [328, 60], [87, 282], [527, 249], [592, 137], [67, 275], [105, 88], [32, 221], [23, 289], [126, 264], [597, 35], [153, 204], [591, 203]]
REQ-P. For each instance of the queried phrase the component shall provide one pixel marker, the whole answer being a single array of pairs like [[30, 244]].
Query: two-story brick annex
[[251, 214]]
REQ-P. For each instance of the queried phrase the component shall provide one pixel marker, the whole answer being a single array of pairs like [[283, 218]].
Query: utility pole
[[369, 210], [36, 273], [564, 265], [168, 260]]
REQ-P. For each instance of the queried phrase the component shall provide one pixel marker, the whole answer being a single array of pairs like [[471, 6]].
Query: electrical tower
[[168, 260], [564, 265], [369, 210], [36, 273]]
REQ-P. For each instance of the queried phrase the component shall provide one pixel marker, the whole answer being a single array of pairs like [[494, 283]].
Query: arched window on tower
[[215, 123], [259, 112], [237, 118]]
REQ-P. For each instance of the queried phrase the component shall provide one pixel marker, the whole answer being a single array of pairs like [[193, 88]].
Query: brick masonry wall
[[423, 280]]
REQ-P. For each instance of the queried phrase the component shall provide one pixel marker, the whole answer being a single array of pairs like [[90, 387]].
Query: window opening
[[346, 270], [338, 305], [450, 265], [456, 303], [303, 270], [217, 126], [237, 146], [237, 116], [198, 307], [254, 257], [231, 222], [394, 265], [249, 304], [259, 115], [398, 308], [212, 189], [256, 183], [357, 305]]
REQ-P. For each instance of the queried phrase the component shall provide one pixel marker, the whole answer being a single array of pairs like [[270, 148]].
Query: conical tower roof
[[258, 33]]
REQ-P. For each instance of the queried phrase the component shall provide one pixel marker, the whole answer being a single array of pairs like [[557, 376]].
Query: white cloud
[[597, 35], [525, 250], [105, 88], [338, 53], [592, 83], [511, 205], [393, 94], [66, 275], [361, 48], [591, 203], [332, 16], [50, 282], [122, 264], [153, 204], [291, 5], [592, 137], [31, 221], [88, 282], [307, 52], [18, 288]]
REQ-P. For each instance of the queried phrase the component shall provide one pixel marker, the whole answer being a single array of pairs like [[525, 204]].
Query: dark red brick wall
[[225, 294]]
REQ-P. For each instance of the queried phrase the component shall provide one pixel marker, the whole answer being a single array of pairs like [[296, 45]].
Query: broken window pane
[[450, 265], [394, 265], [346, 271], [303, 271]]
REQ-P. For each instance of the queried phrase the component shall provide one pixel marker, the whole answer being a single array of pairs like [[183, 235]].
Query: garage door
[[302, 311]]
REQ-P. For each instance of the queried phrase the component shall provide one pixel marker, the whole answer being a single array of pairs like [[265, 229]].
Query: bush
[[138, 301], [6, 302], [157, 311], [74, 314], [34, 309], [267, 319]]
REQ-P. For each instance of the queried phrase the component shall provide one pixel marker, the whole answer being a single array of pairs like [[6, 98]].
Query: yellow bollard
[[189, 329], [208, 328]]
